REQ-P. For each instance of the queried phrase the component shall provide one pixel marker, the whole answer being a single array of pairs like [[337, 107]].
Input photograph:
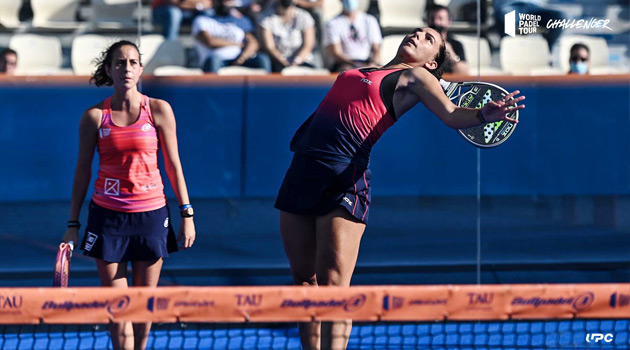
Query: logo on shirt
[[367, 81], [112, 187], [347, 200], [147, 127], [104, 132], [90, 240]]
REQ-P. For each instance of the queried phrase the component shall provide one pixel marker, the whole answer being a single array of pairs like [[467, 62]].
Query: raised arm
[[166, 126], [88, 133], [420, 85]]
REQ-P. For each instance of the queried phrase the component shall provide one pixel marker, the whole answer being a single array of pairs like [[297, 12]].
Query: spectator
[[439, 18], [316, 9], [533, 7], [169, 14], [579, 59], [353, 38], [8, 61], [288, 35], [227, 39]]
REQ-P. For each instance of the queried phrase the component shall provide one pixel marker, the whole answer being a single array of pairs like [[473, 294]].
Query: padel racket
[[62, 264], [476, 95]]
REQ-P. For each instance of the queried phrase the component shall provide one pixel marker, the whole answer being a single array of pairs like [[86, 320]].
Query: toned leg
[[338, 239], [298, 238], [115, 275], [145, 274]]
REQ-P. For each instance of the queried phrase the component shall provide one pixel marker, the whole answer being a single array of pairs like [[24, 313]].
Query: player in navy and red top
[[325, 196]]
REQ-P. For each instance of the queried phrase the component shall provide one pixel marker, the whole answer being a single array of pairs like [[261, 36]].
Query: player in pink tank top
[[324, 198], [128, 219]]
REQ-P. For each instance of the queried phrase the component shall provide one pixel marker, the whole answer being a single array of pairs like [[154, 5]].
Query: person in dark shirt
[[439, 18]]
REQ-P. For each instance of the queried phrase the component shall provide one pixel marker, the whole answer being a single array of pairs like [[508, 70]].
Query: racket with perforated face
[[476, 95], [62, 265]]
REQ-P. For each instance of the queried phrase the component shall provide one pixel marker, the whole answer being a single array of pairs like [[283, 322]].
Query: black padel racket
[[476, 95]]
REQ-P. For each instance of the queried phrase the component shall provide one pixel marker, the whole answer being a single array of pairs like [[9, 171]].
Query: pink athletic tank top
[[128, 177]]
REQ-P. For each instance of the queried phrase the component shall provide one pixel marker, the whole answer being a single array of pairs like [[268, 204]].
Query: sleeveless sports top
[[352, 117], [128, 177]]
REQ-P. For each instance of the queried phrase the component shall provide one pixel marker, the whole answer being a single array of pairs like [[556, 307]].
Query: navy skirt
[[119, 237], [314, 186]]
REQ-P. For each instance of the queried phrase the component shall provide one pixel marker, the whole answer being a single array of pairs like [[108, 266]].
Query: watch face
[[188, 212]]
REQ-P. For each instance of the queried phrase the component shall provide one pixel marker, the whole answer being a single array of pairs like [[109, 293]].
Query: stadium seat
[[333, 7], [471, 51], [9, 10], [389, 47], [37, 54], [522, 54], [157, 52], [239, 70], [85, 49], [304, 71], [401, 14], [176, 70], [113, 14], [55, 14]]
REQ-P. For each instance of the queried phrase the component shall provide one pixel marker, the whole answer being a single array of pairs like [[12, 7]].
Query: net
[[409, 317]]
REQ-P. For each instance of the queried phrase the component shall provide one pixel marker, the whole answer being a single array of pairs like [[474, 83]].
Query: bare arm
[[425, 88], [250, 48], [337, 53], [269, 45], [166, 126], [88, 133], [213, 42], [308, 43], [375, 54], [309, 4]]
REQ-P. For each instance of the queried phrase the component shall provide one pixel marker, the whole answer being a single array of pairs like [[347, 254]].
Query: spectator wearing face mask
[[579, 59], [353, 38], [439, 18], [227, 39]]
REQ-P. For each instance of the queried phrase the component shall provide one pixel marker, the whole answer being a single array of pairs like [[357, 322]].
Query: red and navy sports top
[[352, 117]]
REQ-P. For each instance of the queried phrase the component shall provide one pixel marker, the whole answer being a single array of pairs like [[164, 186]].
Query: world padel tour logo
[[527, 23]]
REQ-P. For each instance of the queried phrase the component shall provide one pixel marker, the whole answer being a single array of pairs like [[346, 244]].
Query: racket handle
[[445, 84]]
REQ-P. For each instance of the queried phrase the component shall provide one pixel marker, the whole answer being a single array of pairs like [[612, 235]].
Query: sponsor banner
[[478, 302], [557, 301], [420, 303], [293, 303]]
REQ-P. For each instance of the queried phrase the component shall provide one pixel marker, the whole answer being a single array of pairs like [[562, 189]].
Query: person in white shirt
[[353, 38], [227, 39], [288, 36]]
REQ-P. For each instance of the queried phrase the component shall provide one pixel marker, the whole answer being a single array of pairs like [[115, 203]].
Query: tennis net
[[581, 316]]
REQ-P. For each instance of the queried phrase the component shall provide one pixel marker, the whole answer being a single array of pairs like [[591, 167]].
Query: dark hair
[[579, 46], [440, 58], [435, 8], [285, 3], [100, 77], [7, 51]]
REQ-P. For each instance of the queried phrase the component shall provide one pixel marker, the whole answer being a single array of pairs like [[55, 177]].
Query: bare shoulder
[[94, 114]]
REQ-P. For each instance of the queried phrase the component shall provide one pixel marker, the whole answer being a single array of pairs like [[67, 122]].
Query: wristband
[[185, 206], [483, 120], [74, 224]]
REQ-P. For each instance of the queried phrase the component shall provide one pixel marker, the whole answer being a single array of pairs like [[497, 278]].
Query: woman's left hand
[[186, 233], [497, 110]]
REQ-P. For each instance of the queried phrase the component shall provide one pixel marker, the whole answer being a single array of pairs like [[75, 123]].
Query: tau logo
[[248, 299], [597, 337], [10, 302], [480, 298], [369, 82]]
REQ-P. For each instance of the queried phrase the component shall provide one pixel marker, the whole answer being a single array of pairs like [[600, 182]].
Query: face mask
[[350, 5], [579, 67]]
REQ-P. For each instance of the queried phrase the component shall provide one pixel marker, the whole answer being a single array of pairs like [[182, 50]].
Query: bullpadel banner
[[286, 304]]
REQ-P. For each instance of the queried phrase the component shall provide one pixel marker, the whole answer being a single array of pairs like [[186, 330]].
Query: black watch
[[187, 213]]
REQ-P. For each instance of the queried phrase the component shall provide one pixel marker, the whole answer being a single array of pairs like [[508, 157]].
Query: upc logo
[[597, 337]]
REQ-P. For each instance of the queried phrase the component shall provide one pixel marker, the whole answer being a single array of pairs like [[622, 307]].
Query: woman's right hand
[[72, 235]]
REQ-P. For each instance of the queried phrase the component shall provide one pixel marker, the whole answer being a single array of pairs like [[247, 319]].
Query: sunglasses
[[353, 32]]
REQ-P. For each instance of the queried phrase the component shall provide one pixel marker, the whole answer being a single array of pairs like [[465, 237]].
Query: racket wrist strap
[[480, 116], [74, 223]]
